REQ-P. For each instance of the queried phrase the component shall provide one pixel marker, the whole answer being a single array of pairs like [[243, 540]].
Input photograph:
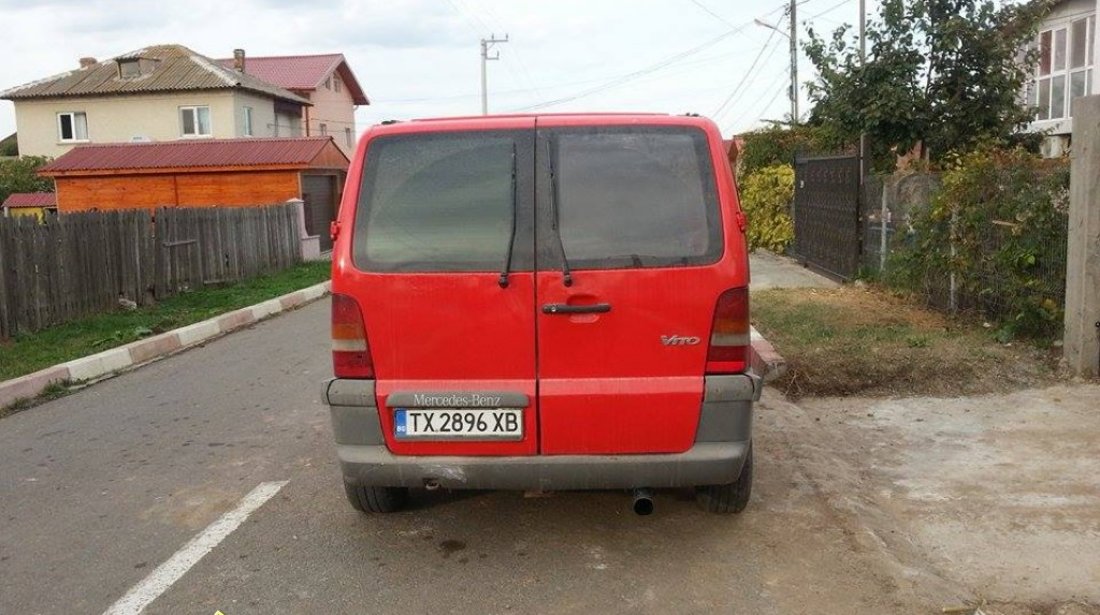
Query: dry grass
[[852, 340]]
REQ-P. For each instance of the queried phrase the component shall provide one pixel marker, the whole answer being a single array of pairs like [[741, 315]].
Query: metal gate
[[827, 234]]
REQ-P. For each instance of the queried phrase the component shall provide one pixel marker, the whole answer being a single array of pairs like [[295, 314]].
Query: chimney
[[86, 62], [238, 60]]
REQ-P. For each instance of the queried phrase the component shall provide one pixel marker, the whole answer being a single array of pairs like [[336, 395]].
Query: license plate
[[458, 423]]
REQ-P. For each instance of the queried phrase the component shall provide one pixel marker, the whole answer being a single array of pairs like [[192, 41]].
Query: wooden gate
[[319, 196]]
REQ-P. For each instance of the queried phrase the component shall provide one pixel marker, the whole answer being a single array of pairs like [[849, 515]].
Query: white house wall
[[120, 119]]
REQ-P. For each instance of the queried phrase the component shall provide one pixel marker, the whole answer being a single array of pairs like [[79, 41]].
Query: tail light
[[350, 353], [729, 335]]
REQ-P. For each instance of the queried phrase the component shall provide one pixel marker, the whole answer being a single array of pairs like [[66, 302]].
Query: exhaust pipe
[[431, 484], [643, 502]]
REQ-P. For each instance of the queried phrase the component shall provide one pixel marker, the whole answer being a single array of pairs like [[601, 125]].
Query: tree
[[943, 75], [19, 175]]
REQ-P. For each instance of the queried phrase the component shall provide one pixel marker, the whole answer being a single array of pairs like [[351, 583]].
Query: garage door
[[319, 194]]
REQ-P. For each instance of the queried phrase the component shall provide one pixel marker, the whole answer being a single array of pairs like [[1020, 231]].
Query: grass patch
[[34, 351], [54, 390], [850, 340]]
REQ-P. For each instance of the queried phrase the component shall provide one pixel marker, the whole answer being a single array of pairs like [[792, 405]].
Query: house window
[[195, 121], [72, 126], [1065, 69], [129, 68], [349, 138], [324, 129], [336, 84], [248, 121]]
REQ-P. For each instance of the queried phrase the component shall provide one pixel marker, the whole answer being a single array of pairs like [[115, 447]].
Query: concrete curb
[[142, 351], [765, 360]]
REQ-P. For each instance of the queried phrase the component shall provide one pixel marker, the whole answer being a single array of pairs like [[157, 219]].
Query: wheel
[[376, 499], [731, 498]]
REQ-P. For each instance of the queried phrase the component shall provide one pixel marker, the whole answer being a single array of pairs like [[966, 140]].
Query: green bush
[[766, 197], [1004, 212], [772, 146], [18, 175]]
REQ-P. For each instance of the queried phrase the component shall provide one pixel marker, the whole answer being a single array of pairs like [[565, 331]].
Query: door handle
[[565, 308]]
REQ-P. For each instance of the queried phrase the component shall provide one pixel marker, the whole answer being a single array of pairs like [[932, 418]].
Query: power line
[[744, 78], [464, 14], [712, 13], [526, 73], [638, 73], [771, 102], [830, 9]]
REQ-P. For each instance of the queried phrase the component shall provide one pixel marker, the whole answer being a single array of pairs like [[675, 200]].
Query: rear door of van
[[442, 209], [634, 252]]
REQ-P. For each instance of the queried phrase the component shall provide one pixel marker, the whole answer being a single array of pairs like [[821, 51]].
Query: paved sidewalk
[[773, 271]]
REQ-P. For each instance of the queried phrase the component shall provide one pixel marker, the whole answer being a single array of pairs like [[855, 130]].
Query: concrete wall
[[337, 111], [1082, 327], [119, 119], [290, 125], [1096, 54], [263, 114]]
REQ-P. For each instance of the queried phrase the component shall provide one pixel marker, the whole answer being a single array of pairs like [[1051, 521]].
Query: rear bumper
[[707, 463], [721, 444]]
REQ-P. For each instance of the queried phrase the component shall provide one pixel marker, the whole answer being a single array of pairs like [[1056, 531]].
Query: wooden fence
[[82, 264]]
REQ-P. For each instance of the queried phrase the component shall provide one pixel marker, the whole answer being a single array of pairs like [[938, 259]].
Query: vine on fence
[[994, 241]]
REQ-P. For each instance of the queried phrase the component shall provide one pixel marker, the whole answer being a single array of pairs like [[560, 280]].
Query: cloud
[[419, 58]]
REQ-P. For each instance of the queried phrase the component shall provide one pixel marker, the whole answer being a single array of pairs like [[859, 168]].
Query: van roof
[[519, 120], [535, 115]]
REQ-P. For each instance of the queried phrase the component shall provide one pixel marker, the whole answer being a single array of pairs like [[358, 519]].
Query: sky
[[420, 58]]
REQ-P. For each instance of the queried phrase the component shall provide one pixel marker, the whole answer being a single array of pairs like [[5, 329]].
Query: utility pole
[[486, 45], [863, 61], [794, 62]]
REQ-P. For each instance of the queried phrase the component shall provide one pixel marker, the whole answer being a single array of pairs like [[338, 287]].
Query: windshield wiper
[[503, 281], [566, 276]]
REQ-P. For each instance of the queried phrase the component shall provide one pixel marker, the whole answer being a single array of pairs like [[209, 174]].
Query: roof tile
[[301, 72], [189, 153], [176, 68], [30, 199]]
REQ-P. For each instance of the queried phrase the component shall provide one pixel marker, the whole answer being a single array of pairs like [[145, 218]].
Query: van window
[[636, 197], [440, 202]]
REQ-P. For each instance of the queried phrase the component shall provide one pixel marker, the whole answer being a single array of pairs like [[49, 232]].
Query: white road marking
[[165, 575]]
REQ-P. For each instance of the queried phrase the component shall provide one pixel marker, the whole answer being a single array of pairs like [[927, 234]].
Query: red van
[[550, 302]]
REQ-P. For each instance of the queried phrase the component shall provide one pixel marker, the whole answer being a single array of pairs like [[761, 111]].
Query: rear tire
[[376, 499], [731, 498]]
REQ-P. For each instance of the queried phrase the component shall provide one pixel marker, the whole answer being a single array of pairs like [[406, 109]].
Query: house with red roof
[[326, 81], [241, 172], [173, 93], [157, 93]]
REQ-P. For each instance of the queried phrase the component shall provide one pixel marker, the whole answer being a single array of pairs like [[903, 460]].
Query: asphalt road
[[101, 487]]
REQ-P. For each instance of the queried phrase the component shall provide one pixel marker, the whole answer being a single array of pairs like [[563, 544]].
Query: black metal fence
[[827, 217]]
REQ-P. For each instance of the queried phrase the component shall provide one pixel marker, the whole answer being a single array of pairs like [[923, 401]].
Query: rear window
[[636, 197], [436, 203]]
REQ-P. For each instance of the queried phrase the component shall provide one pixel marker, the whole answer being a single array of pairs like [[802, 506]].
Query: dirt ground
[[962, 501], [850, 340]]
